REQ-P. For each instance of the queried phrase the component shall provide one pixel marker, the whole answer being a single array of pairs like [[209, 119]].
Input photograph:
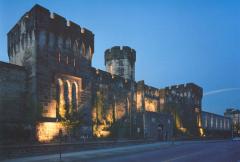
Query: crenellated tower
[[121, 61], [48, 45]]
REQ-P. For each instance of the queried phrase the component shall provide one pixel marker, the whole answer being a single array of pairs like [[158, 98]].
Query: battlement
[[11, 66], [62, 23], [118, 52], [40, 18], [108, 78], [40, 31], [188, 86]]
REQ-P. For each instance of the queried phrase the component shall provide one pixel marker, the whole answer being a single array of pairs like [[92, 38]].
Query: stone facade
[[12, 99], [216, 125], [62, 90], [184, 103]]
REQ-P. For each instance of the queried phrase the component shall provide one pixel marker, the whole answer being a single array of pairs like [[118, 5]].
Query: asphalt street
[[194, 151], [227, 151]]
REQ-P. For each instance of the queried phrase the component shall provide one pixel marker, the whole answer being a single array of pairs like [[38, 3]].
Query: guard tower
[[121, 61]]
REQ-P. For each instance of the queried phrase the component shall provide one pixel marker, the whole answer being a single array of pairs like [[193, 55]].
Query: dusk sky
[[176, 41]]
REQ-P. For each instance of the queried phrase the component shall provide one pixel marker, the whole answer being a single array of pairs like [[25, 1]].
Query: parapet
[[51, 31], [188, 86], [118, 52], [11, 66], [44, 19]]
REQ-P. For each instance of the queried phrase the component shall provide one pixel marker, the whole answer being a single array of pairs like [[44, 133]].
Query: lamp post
[[168, 131], [60, 143]]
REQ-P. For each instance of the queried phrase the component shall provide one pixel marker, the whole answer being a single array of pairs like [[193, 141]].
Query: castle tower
[[48, 45], [121, 61]]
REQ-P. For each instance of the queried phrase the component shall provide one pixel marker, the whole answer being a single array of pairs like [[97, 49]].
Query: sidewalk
[[101, 153]]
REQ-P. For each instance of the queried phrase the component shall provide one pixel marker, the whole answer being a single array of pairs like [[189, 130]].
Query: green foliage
[[99, 106], [70, 124]]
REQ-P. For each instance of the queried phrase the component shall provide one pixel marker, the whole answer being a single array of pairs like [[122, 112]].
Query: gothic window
[[82, 50], [68, 43], [60, 110], [42, 39], [58, 97], [74, 97], [66, 97], [76, 50], [51, 41], [60, 42], [89, 53]]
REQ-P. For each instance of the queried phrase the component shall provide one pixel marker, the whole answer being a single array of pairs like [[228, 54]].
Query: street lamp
[[60, 143]]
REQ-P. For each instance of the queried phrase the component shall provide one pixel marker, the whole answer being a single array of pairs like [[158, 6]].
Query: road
[[227, 151], [198, 151]]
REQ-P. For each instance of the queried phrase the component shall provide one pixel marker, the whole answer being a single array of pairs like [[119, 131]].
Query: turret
[[121, 61]]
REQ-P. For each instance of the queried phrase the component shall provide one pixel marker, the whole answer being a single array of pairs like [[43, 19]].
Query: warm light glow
[[109, 116], [178, 121], [50, 110], [199, 121], [201, 132], [184, 130], [47, 131], [61, 104], [100, 131], [139, 101], [150, 105], [120, 110]]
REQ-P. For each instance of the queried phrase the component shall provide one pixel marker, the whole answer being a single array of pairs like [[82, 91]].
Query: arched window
[[60, 110], [74, 97], [68, 43], [58, 97], [66, 98], [76, 50], [82, 50], [89, 53], [128, 106]]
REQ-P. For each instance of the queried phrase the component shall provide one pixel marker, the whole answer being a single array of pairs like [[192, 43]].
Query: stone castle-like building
[[50, 84]]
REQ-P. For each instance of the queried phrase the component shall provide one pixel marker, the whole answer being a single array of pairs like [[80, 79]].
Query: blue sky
[[176, 41]]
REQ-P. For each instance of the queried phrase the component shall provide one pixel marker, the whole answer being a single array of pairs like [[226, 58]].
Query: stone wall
[[63, 87], [12, 102], [147, 98], [184, 102], [158, 125], [113, 105], [12, 92]]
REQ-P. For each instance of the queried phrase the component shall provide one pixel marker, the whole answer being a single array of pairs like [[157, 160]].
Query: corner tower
[[48, 45], [121, 61]]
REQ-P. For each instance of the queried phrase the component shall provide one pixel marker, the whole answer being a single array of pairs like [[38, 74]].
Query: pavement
[[180, 151]]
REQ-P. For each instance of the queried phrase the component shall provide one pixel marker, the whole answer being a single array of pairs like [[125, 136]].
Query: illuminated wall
[[65, 97], [151, 105], [48, 131], [139, 101]]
